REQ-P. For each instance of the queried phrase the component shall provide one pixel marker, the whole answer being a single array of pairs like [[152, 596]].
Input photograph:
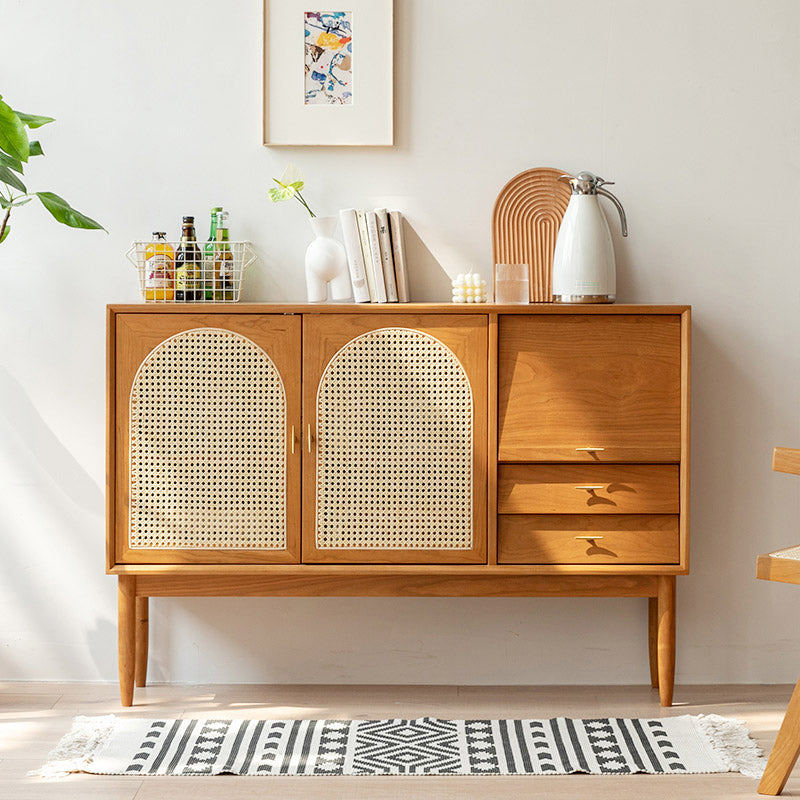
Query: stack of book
[[376, 255]]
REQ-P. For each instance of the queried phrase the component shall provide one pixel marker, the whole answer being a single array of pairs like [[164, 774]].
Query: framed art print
[[328, 72]]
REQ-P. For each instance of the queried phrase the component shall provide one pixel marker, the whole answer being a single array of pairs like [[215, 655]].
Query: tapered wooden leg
[[786, 750], [126, 632], [666, 638], [652, 639], [142, 636]]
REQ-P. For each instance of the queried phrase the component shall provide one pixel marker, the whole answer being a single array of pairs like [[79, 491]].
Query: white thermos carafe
[[583, 261]]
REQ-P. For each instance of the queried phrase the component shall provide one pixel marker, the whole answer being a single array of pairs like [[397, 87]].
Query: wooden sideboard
[[397, 450]]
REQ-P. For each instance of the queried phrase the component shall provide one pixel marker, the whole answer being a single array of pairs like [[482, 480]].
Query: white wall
[[690, 106]]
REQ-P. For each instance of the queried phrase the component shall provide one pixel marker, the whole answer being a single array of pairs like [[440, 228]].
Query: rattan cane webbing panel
[[792, 553], [208, 445], [394, 445]]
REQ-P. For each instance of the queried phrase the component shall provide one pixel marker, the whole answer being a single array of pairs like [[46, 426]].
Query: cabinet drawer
[[589, 388], [588, 539], [588, 489]]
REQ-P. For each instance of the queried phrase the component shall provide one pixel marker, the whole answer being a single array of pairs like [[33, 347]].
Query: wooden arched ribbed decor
[[525, 222]]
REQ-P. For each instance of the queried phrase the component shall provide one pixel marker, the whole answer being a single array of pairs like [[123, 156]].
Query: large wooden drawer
[[588, 539], [588, 489], [582, 388]]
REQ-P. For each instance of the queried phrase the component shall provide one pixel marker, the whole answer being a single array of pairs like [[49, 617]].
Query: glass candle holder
[[511, 284]]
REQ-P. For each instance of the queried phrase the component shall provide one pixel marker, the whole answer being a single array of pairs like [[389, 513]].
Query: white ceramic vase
[[326, 263]]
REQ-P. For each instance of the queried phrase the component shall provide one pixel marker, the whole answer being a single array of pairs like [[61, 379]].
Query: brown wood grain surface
[[135, 338], [786, 459], [785, 751], [214, 309], [587, 489], [467, 338], [581, 422], [770, 567], [425, 583], [575, 382], [525, 221], [587, 539]]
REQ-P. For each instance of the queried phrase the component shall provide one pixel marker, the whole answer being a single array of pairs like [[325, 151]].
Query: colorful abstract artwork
[[329, 57]]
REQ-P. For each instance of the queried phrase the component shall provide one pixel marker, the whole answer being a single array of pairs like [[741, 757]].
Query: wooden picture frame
[[328, 74]]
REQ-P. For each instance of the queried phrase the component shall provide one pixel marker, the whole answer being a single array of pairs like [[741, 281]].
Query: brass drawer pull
[[309, 438], [591, 488], [590, 538], [292, 439], [589, 449]]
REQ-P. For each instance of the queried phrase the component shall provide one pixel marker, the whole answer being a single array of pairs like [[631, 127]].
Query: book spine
[[355, 255], [387, 259], [399, 252], [375, 251], [366, 254]]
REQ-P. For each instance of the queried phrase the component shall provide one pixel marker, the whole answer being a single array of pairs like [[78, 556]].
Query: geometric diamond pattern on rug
[[407, 746]]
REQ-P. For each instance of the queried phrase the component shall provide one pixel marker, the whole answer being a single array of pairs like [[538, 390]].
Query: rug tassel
[[730, 739], [76, 750]]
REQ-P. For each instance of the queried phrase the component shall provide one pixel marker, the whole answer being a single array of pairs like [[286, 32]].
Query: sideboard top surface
[[392, 308]]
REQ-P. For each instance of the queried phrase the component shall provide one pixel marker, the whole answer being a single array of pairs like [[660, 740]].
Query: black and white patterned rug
[[426, 746]]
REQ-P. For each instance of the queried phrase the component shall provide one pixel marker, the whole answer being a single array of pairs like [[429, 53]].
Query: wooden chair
[[783, 565]]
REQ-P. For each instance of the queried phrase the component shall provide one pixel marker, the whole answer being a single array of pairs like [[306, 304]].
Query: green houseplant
[[15, 150]]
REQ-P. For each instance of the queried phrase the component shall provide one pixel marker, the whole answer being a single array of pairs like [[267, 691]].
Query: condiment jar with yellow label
[[159, 269]]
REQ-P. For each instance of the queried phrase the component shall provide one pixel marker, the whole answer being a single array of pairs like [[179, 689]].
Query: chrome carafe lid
[[587, 183]]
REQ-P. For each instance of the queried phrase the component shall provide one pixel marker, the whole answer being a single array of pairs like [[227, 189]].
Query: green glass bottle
[[208, 261], [223, 262]]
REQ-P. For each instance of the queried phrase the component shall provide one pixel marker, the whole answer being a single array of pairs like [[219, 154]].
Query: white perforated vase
[[326, 263]]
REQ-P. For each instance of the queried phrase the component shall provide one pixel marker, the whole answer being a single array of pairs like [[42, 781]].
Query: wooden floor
[[33, 717]]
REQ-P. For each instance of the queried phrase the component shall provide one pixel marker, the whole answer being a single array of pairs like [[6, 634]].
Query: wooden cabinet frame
[[485, 578], [466, 337], [135, 337]]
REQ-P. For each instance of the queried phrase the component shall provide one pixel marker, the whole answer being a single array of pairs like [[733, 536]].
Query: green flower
[[290, 184]]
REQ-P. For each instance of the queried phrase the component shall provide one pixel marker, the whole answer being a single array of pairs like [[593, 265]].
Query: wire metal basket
[[216, 276]]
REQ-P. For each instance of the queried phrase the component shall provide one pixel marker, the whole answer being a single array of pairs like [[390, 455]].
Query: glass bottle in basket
[[159, 264], [223, 261], [208, 261], [188, 266]]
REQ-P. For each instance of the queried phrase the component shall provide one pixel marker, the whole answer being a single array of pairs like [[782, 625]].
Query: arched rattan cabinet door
[[207, 470], [395, 439]]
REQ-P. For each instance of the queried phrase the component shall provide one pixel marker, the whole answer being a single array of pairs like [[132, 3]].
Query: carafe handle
[[613, 199]]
